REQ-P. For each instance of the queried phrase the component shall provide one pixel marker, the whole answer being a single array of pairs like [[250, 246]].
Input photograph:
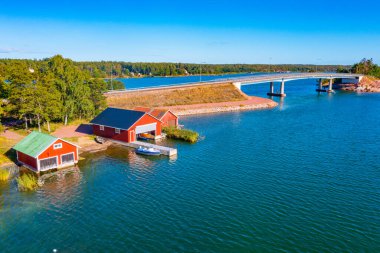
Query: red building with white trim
[[42, 152], [168, 118], [125, 125]]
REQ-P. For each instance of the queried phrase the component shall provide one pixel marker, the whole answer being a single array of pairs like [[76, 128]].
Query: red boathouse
[[167, 118], [42, 152], [125, 125]]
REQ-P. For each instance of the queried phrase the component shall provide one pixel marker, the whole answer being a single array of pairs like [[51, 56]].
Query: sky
[[197, 31]]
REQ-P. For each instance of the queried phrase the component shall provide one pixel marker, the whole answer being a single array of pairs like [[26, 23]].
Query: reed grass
[[27, 182], [181, 134], [4, 175]]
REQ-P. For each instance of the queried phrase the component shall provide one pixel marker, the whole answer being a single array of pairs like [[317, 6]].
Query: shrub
[[27, 182], [4, 175], [181, 134]]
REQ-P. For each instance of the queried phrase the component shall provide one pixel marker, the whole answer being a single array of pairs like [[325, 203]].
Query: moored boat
[[147, 151], [100, 140], [145, 136]]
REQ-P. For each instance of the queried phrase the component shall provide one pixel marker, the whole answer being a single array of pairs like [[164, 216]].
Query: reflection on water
[[300, 178], [60, 186]]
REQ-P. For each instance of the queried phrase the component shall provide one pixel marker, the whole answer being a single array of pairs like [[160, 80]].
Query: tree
[[366, 67], [48, 104], [97, 88], [66, 76]]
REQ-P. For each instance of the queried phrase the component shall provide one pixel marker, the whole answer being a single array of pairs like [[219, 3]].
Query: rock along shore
[[253, 103]]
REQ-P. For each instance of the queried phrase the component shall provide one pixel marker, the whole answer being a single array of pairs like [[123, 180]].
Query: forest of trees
[[50, 90], [128, 69]]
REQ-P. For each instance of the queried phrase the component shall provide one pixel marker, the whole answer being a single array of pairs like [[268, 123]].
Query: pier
[[164, 150]]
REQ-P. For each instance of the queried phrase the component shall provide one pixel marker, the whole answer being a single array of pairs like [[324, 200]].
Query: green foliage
[[342, 69], [130, 69], [115, 85], [366, 67], [181, 134], [50, 90], [27, 182], [4, 174]]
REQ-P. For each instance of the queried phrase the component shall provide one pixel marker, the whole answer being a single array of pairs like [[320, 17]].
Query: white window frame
[[68, 154], [101, 128], [57, 146], [117, 130], [38, 163]]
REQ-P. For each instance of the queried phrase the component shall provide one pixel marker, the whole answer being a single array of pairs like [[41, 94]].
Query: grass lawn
[[20, 129], [6, 154]]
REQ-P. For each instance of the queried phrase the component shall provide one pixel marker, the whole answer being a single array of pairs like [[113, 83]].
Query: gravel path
[[10, 135], [73, 131]]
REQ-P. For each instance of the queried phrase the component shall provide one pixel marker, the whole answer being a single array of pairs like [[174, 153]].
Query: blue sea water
[[133, 83], [303, 177]]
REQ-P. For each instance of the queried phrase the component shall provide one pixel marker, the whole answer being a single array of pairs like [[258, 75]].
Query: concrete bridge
[[255, 79], [284, 77]]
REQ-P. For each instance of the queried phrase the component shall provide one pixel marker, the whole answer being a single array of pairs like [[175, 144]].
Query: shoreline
[[253, 103], [85, 139]]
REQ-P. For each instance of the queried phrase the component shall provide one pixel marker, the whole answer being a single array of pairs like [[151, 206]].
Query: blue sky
[[210, 31]]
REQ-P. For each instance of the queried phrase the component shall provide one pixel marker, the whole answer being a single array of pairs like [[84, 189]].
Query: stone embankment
[[367, 84], [253, 103]]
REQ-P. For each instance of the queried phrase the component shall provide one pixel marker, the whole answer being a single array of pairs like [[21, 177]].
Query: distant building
[[168, 118], [125, 125], [42, 152]]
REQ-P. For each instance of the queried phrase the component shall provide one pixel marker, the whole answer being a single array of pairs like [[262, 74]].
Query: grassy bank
[[27, 182], [5, 174], [6, 154], [181, 134], [177, 96]]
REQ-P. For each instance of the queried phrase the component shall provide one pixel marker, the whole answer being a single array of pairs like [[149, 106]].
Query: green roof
[[35, 143]]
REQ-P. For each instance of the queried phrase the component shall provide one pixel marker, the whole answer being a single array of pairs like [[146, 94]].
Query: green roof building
[[41, 152]]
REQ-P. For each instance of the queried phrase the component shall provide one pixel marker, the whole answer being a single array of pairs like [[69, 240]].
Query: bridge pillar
[[282, 89], [330, 85], [320, 86]]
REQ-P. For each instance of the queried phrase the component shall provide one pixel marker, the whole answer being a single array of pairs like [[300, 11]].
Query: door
[[67, 158], [146, 128], [48, 163], [132, 136]]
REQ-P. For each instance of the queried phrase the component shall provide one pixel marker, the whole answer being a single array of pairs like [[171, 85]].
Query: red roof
[[157, 113]]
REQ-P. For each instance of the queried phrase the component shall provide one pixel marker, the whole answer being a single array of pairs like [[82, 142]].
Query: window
[[58, 145], [101, 128], [117, 130]]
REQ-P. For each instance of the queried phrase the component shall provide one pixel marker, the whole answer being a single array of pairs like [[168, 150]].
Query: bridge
[[261, 78], [284, 77]]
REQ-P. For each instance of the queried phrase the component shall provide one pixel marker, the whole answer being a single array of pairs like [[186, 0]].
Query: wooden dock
[[164, 150]]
